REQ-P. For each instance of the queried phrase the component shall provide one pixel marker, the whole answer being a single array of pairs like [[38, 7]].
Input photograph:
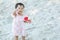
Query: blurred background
[[45, 16]]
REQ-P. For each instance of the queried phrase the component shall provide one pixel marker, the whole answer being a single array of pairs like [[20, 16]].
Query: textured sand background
[[45, 16]]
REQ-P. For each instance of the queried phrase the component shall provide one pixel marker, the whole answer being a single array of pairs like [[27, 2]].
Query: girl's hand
[[14, 14], [29, 21], [25, 21]]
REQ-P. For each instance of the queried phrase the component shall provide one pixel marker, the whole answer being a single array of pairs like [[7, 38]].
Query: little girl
[[19, 21]]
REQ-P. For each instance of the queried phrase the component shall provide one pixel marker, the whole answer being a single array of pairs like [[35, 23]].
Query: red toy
[[26, 18]]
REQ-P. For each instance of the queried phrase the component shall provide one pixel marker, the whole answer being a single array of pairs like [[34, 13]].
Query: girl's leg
[[23, 37], [23, 34], [16, 37]]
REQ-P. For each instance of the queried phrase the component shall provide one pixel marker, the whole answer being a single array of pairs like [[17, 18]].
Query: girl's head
[[19, 7]]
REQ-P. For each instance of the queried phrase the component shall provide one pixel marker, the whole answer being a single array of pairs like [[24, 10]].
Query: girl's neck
[[20, 14]]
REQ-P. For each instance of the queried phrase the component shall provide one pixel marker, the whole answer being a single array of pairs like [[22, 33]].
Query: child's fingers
[[29, 21], [25, 21]]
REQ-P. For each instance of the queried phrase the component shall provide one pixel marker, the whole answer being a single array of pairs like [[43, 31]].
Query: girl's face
[[20, 9]]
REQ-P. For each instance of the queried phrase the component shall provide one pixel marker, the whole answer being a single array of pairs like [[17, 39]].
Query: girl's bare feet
[[16, 37], [23, 37]]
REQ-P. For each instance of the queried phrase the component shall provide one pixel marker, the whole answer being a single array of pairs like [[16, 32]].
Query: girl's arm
[[13, 14]]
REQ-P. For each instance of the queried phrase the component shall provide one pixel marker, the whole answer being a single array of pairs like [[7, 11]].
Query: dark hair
[[19, 4]]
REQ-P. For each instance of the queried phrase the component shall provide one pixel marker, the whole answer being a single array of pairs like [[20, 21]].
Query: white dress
[[18, 25]]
